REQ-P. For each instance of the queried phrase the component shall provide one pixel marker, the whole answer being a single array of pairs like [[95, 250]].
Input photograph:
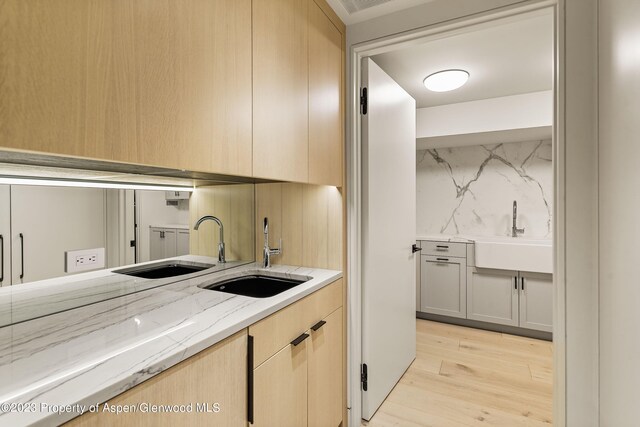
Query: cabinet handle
[[250, 379], [442, 259], [522, 283], [1, 257], [318, 325], [21, 255], [299, 339], [442, 247], [515, 283]]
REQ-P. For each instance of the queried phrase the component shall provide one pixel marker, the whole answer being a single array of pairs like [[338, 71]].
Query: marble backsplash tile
[[470, 190]]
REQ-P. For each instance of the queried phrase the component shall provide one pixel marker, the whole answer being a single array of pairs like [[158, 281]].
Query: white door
[[5, 235], [388, 233]]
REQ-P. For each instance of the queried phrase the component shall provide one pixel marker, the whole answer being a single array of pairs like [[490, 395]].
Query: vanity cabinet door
[[183, 243], [443, 286], [280, 388], [325, 372], [162, 243], [5, 236], [492, 296], [536, 301]]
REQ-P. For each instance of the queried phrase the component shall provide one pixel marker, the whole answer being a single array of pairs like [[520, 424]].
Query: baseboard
[[530, 333]]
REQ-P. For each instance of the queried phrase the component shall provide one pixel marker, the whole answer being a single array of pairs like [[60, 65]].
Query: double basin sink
[[253, 285]]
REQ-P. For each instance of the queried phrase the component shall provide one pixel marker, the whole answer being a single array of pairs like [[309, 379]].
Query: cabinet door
[[217, 374], [443, 286], [325, 106], [183, 243], [280, 389], [325, 372], [52, 221], [280, 90], [5, 236], [536, 301], [165, 83], [492, 296], [162, 243], [418, 276]]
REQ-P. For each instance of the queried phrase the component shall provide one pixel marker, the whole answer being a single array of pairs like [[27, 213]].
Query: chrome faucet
[[267, 251], [221, 256], [514, 228]]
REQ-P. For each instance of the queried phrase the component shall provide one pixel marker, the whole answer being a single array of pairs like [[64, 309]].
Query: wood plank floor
[[470, 377]]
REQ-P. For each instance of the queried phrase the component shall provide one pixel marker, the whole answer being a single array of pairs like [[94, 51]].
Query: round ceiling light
[[446, 80]]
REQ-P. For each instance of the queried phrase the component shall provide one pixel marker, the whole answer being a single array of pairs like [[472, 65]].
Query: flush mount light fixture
[[446, 80]]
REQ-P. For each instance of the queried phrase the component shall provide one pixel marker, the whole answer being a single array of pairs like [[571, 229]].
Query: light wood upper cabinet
[[140, 81], [325, 99], [280, 89]]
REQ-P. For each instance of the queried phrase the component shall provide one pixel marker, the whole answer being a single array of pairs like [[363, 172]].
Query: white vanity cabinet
[[536, 301], [492, 296], [443, 282], [167, 242], [451, 285], [514, 298]]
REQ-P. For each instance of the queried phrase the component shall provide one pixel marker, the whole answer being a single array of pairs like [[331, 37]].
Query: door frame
[[354, 182]]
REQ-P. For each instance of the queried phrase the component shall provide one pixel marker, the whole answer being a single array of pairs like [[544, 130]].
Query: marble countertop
[[90, 354], [445, 238], [177, 226], [463, 238]]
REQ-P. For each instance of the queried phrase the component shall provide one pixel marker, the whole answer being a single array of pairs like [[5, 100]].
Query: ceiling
[[354, 11], [507, 57]]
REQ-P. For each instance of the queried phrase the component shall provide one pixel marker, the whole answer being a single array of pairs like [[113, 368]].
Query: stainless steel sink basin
[[164, 269], [255, 286]]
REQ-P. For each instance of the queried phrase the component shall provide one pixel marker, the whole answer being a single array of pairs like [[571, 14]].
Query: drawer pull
[[442, 247], [299, 339], [442, 259], [318, 325]]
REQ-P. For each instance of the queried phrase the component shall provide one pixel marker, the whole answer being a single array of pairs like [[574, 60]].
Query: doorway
[[535, 139]]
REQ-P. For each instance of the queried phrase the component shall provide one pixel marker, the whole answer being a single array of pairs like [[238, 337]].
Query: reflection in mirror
[[61, 245]]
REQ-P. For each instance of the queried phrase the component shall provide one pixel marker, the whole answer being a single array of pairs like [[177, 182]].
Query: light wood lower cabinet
[[217, 374], [300, 383]]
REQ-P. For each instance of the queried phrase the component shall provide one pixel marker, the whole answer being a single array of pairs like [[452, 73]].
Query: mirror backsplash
[[60, 245]]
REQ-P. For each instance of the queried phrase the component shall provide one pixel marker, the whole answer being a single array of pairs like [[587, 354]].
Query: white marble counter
[[93, 353], [445, 238]]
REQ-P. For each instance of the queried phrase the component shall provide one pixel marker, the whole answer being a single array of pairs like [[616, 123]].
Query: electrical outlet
[[84, 259]]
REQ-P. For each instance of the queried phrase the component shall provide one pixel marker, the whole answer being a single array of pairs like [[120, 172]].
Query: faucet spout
[[221, 247]]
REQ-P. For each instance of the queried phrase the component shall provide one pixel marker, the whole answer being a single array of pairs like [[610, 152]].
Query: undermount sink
[[164, 269], [255, 286], [514, 253]]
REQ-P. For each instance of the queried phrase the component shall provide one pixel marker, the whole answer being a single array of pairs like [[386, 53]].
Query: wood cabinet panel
[[325, 373], [217, 374], [160, 83], [280, 89], [277, 330], [280, 389], [325, 99]]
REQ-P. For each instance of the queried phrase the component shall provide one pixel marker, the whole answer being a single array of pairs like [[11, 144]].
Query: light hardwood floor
[[469, 377]]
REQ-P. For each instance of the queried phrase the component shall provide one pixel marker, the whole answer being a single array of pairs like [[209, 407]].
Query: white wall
[[619, 153], [153, 211], [470, 190], [528, 110]]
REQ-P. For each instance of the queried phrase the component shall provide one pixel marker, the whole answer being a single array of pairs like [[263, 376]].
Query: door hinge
[[364, 101], [364, 376]]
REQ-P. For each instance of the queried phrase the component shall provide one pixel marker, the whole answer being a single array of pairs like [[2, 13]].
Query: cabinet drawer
[[444, 248], [278, 330]]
